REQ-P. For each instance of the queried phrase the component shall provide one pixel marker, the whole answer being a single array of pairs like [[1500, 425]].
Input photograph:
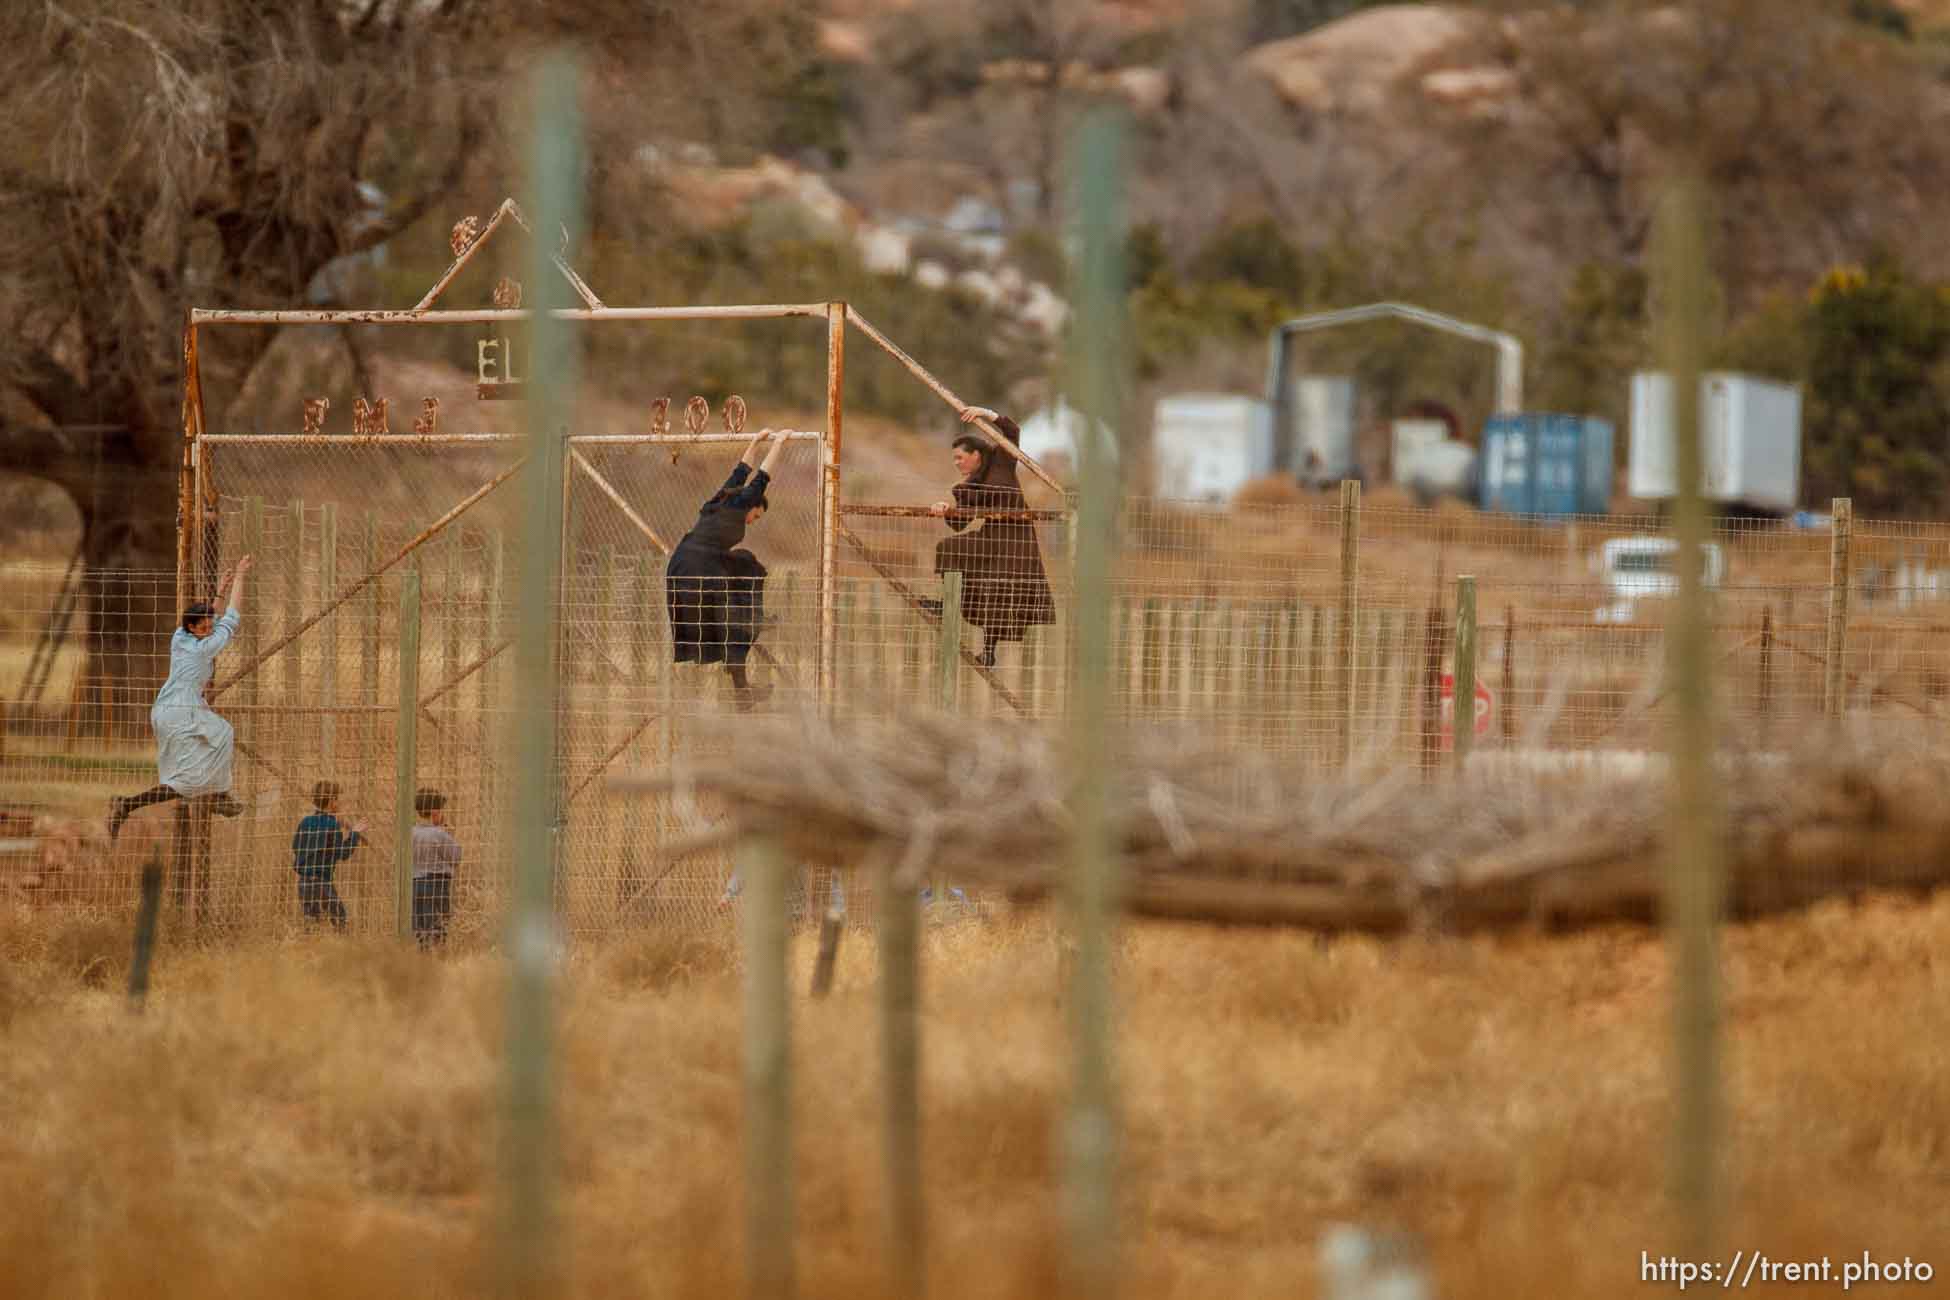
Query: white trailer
[[1319, 447], [1750, 441], [1209, 445], [1050, 437]]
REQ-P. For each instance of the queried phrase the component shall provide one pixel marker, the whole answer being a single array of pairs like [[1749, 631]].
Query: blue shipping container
[[1535, 463]]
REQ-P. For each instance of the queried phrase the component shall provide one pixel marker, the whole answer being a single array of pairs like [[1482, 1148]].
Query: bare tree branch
[[356, 354], [47, 384], [403, 215], [57, 454]]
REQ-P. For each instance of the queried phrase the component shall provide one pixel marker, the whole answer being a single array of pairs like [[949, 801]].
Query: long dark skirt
[[1004, 588], [716, 601]]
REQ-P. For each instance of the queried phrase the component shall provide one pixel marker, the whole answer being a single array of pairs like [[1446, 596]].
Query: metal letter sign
[[494, 371]]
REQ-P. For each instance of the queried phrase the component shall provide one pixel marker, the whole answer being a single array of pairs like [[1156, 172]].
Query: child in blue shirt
[[319, 845]]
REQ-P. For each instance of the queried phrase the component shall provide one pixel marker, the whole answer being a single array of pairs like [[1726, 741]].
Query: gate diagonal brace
[[371, 576], [922, 612], [1854, 678], [602, 764]]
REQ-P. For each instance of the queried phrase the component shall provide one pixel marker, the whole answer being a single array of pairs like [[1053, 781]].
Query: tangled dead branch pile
[[1225, 835]]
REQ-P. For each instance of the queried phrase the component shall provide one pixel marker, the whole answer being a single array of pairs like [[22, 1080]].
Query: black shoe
[[118, 812], [226, 806], [931, 605], [987, 657]]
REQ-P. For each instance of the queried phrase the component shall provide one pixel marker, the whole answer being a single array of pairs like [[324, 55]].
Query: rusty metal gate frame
[[196, 550]]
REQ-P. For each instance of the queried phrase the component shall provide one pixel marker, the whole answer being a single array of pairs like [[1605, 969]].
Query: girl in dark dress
[[715, 588], [1004, 588]]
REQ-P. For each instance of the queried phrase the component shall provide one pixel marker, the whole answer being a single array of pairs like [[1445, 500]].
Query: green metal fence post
[[406, 751], [1462, 712], [947, 657]]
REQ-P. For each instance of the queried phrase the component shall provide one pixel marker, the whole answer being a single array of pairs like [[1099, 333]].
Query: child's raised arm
[[772, 456]]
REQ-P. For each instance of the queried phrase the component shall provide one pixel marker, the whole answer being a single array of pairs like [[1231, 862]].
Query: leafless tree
[[1816, 137], [225, 152], [209, 151], [993, 84]]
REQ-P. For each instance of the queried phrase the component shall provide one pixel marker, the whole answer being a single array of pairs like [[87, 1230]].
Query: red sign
[[1485, 706]]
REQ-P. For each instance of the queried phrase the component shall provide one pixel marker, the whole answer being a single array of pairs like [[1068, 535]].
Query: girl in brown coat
[[1004, 588]]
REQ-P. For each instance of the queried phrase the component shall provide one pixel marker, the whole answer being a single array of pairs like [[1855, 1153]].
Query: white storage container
[[1320, 445], [1750, 441], [1208, 445]]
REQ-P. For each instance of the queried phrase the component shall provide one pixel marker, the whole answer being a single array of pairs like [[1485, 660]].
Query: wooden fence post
[[1462, 712], [1151, 648], [489, 678], [947, 658], [145, 926], [252, 635], [294, 599], [183, 863], [829, 501], [900, 1055], [1032, 638], [1286, 648], [836, 621], [1344, 626], [1218, 656], [406, 751], [791, 619], [328, 656], [667, 730], [1507, 711], [1834, 686], [293, 655], [250, 727], [371, 638], [1192, 621], [201, 815], [1434, 633], [1317, 688], [610, 727], [768, 1081], [882, 663], [1764, 695], [450, 660]]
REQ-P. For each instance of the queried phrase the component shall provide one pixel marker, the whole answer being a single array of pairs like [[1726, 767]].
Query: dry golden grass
[[316, 1117]]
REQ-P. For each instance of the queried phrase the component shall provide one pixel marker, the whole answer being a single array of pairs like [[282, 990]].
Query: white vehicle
[[1638, 568]]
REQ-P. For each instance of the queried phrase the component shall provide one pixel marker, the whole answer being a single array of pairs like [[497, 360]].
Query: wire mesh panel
[[1227, 622], [81, 653], [314, 691], [628, 703]]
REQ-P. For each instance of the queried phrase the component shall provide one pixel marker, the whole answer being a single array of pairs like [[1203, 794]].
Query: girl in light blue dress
[[194, 747]]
